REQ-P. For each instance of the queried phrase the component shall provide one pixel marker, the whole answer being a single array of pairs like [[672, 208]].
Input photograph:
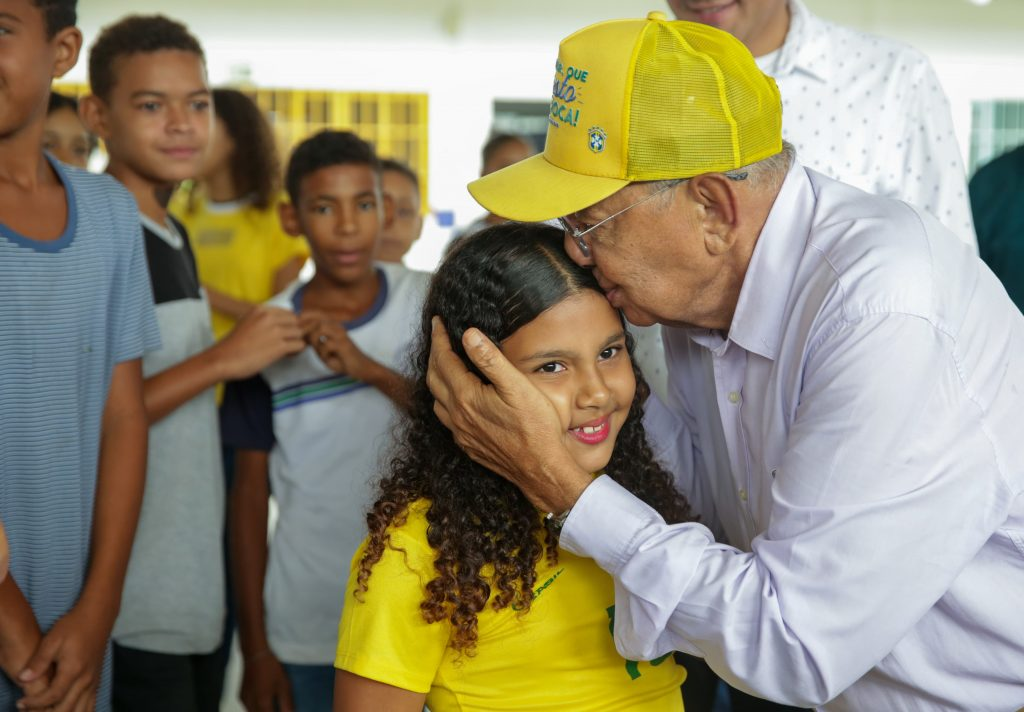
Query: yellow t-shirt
[[238, 249], [558, 656]]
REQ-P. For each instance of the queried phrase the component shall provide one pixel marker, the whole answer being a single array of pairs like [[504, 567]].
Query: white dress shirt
[[858, 436], [864, 110]]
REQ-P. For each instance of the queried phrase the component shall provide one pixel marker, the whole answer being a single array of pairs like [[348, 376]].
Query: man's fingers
[[491, 362], [443, 363], [442, 414]]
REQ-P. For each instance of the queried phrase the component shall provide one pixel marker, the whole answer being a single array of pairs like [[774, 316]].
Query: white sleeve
[[861, 541]]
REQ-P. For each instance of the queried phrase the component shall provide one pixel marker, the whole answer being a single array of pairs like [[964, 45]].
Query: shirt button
[[734, 397], [743, 495]]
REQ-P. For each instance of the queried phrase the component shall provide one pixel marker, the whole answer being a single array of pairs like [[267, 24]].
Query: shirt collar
[[807, 47], [757, 323]]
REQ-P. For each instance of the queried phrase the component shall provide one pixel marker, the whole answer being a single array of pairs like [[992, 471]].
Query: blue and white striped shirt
[[72, 308]]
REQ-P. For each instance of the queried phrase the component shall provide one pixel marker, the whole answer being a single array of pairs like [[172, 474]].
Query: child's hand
[[262, 337], [70, 655], [265, 686], [333, 345]]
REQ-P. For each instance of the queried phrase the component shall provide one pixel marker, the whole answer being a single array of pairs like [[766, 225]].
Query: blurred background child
[[243, 256], [500, 151], [401, 186], [64, 135]]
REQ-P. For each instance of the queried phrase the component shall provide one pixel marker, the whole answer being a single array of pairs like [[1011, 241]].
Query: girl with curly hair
[[460, 598]]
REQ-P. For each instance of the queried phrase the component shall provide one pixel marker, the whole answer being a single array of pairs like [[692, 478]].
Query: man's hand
[[71, 655], [265, 686], [509, 427], [332, 344], [262, 337]]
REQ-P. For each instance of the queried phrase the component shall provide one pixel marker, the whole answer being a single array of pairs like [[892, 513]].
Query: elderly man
[[847, 380]]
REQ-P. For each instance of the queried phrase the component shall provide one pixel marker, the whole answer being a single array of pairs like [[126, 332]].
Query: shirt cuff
[[605, 522]]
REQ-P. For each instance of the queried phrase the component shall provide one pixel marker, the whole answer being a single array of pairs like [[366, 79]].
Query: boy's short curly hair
[[57, 14], [135, 34], [327, 148]]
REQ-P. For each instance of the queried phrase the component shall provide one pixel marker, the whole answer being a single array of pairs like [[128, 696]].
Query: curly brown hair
[[497, 280], [255, 168]]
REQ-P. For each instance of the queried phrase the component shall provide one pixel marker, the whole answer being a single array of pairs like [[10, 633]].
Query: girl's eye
[[553, 367], [201, 104], [321, 209], [367, 205], [610, 352], [149, 106]]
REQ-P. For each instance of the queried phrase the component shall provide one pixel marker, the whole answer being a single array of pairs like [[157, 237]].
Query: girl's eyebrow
[[562, 353]]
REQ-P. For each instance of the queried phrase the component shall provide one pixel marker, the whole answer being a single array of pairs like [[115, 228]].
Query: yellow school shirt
[[238, 249], [558, 656]]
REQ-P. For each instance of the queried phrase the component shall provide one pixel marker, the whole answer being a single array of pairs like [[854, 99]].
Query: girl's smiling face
[[575, 353]]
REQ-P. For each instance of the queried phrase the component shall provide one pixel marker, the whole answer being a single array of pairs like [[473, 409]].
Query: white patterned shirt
[[857, 438], [870, 112], [864, 110]]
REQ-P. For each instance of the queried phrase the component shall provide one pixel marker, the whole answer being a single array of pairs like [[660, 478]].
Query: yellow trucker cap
[[639, 100]]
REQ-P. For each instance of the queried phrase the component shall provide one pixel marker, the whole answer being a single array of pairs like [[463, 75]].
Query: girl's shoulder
[[410, 528], [407, 549]]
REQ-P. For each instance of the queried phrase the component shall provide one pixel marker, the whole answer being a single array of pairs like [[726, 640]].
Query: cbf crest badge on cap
[[597, 139]]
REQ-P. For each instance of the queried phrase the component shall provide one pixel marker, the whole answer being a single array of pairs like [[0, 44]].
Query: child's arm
[[238, 308], [336, 349], [353, 693], [262, 337], [264, 682], [76, 643], [19, 634], [288, 272], [228, 305]]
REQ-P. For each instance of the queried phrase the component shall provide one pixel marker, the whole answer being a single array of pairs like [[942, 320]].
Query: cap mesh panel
[[690, 114]]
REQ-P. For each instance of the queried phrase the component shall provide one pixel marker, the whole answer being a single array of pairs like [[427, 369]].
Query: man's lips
[[594, 432], [710, 14], [611, 293]]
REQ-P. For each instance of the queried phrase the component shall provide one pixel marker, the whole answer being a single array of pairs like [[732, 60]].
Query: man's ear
[[718, 198], [93, 113], [289, 217], [67, 44]]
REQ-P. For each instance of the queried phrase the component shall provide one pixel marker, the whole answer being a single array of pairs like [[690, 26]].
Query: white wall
[[467, 53]]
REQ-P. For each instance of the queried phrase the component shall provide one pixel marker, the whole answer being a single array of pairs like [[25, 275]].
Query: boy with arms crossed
[[151, 106], [77, 317], [310, 427]]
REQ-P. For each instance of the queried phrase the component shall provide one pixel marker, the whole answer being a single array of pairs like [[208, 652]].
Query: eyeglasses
[[577, 233]]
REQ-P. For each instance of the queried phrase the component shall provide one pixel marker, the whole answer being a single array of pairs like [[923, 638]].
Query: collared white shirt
[[864, 110], [870, 112], [858, 436]]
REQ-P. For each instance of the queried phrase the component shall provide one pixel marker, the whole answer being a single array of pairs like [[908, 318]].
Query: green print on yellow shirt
[[632, 666]]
